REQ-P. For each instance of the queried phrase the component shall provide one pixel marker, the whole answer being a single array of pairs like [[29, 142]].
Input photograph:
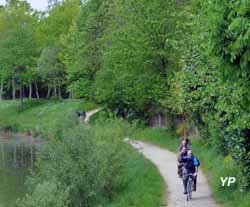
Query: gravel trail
[[166, 162], [91, 113]]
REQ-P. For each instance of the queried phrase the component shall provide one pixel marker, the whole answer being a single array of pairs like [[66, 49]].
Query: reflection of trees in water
[[15, 160], [17, 156], [20, 155]]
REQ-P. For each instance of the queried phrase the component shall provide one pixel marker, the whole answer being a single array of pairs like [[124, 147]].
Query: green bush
[[89, 162], [47, 194], [91, 165]]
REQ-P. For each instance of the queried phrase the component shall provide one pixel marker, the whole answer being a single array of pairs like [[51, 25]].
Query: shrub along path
[[165, 161]]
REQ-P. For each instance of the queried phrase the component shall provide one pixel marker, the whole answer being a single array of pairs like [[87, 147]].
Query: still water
[[17, 157]]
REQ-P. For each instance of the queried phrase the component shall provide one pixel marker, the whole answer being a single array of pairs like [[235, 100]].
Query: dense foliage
[[189, 58], [86, 166], [212, 88]]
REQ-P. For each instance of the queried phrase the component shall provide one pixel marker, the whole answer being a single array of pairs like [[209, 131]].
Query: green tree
[[230, 37], [137, 57], [82, 47], [18, 45], [19, 49], [211, 88], [57, 22], [49, 33], [51, 70]]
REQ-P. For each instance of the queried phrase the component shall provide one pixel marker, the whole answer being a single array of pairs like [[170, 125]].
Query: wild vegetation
[[82, 165], [42, 118], [187, 58], [86, 167]]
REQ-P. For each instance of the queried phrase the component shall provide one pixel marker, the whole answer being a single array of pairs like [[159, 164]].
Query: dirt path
[[165, 161], [91, 113]]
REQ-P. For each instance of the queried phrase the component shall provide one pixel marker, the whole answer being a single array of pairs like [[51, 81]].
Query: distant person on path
[[185, 143], [82, 116], [190, 167]]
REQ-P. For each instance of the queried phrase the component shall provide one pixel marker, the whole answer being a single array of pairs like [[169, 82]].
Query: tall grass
[[145, 187]]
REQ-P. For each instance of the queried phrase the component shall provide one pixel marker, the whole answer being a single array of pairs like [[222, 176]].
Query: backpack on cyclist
[[198, 161]]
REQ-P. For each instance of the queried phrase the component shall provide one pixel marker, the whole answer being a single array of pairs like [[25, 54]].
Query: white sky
[[36, 4]]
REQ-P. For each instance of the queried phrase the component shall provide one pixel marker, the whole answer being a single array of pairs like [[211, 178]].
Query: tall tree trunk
[[164, 63], [31, 156], [48, 94], [21, 96], [70, 94], [159, 120], [30, 90], [14, 157], [54, 85], [37, 91], [23, 92], [59, 92], [3, 155], [13, 89], [22, 154], [1, 89]]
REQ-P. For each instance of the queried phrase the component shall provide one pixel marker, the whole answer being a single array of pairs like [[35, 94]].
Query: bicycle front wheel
[[189, 189]]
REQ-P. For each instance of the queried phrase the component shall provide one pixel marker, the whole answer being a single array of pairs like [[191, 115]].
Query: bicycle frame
[[189, 186]]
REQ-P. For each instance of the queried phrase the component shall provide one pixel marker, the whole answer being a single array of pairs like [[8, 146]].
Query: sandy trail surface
[[91, 113]]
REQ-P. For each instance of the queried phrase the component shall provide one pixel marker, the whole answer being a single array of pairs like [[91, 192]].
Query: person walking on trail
[[191, 165], [180, 164], [184, 143], [188, 142]]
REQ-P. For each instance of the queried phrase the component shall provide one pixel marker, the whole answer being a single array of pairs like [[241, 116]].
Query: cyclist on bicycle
[[180, 164], [190, 167]]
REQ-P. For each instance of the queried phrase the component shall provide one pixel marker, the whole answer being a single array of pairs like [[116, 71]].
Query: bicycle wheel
[[189, 188]]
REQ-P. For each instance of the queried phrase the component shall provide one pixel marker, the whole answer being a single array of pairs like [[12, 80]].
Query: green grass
[[212, 163], [161, 137], [145, 188], [40, 117]]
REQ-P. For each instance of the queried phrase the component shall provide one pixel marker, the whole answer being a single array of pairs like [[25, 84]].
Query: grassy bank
[[142, 185], [145, 189], [212, 163], [40, 117]]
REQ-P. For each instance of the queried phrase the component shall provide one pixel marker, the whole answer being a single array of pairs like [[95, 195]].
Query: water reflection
[[17, 157]]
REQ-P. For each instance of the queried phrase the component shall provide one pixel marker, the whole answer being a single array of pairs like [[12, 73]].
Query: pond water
[[17, 157]]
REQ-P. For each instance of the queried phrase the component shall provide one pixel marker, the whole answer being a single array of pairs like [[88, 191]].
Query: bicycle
[[189, 186]]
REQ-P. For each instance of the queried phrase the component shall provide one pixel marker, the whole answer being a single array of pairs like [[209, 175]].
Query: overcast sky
[[37, 4]]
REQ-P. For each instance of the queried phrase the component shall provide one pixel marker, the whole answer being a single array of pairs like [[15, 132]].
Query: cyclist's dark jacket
[[190, 164], [188, 146], [180, 156]]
